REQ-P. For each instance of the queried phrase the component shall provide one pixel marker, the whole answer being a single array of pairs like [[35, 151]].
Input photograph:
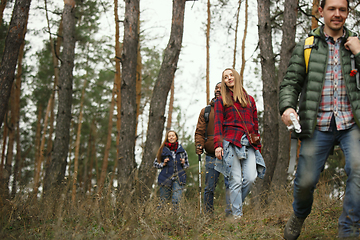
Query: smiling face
[[217, 90], [172, 137], [229, 79], [335, 13]]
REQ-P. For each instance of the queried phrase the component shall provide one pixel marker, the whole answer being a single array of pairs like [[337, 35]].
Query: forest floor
[[103, 218]]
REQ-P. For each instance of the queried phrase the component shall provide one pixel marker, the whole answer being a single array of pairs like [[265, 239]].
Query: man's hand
[[285, 117], [353, 44], [199, 149], [219, 152], [166, 160]]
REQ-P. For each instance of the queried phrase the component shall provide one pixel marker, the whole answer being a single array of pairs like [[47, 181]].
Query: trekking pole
[[200, 180]]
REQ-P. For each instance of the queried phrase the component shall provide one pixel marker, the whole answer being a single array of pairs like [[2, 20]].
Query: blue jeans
[[242, 176], [313, 154], [211, 179], [175, 192]]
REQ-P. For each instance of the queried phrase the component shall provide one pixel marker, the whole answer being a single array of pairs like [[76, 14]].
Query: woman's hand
[[219, 153], [165, 161], [182, 161]]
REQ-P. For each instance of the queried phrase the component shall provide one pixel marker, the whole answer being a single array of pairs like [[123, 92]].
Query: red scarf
[[172, 146]]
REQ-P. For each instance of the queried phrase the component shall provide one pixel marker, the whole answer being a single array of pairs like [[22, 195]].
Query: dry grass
[[93, 217]]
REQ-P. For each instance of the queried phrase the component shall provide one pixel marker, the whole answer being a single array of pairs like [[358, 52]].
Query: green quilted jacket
[[307, 103]]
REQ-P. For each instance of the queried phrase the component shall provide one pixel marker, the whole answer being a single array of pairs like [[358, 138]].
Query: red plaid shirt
[[229, 125]]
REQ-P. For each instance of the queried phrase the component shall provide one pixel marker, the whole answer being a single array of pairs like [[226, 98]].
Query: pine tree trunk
[[315, 12], [56, 171], [77, 144], [270, 137], [159, 97], [243, 61], [236, 32], [287, 45], [127, 140], [40, 158], [16, 114], [13, 41]]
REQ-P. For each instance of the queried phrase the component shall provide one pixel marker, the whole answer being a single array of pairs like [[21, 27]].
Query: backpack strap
[[206, 116], [309, 44]]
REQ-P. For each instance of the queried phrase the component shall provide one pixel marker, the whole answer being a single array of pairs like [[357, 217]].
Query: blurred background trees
[[103, 133]]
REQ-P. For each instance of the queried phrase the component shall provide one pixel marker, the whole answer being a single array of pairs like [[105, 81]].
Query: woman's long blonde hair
[[239, 93], [158, 155]]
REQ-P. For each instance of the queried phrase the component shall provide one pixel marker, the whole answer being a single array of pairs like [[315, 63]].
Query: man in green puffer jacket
[[327, 99]]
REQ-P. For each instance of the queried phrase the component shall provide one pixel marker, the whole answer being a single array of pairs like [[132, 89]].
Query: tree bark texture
[[56, 171], [270, 93], [287, 46], [159, 97], [13, 41], [127, 139]]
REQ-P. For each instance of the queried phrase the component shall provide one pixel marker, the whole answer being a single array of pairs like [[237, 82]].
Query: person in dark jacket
[[204, 139], [329, 113], [172, 159]]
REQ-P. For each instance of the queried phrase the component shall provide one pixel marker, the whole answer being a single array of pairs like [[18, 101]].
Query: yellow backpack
[[309, 43]]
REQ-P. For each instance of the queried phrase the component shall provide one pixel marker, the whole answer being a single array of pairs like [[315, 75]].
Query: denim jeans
[[175, 192], [313, 154], [242, 176], [211, 179]]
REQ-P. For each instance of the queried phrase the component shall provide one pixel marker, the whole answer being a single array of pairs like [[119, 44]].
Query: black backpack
[[206, 116]]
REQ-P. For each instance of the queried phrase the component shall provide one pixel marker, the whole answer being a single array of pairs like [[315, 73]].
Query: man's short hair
[[323, 2]]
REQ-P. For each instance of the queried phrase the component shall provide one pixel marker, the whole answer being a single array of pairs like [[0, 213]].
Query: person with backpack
[[204, 139], [236, 139], [324, 91], [172, 159]]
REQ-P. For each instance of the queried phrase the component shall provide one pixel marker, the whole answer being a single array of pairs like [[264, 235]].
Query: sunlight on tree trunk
[[4, 141]]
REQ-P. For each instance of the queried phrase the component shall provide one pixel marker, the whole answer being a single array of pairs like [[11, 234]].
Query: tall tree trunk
[[40, 155], [138, 79], [208, 27], [126, 146], [4, 141], [77, 144], [287, 45], [56, 171], [13, 41], [315, 12], [159, 97], [270, 93], [108, 140], [171, 106], [16, 114], [243, 42], [236, 32]]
